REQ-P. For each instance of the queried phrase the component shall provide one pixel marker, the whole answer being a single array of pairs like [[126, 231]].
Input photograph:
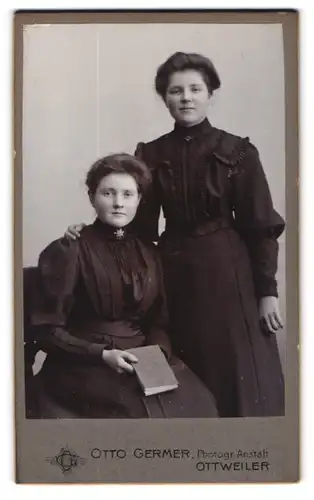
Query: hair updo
[[181, 61], [121, 163]]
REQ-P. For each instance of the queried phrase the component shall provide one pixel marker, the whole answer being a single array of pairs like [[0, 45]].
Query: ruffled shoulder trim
[[231, 149]]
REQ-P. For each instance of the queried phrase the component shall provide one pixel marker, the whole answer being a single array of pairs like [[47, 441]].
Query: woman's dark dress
[[219, 253], [105, 290]]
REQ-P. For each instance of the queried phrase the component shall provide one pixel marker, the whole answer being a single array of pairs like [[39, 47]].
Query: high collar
[[194, 131], [114, 233]]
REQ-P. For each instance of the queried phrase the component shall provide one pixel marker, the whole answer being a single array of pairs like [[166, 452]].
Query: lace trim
[[233, 157]]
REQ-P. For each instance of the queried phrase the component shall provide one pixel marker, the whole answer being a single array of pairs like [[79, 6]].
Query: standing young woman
[[219, 249]]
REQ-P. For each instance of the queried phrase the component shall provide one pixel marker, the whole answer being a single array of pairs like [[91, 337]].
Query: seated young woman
[[99, 296]]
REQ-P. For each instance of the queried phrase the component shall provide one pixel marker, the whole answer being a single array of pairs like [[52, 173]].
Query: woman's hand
[[73, 231], [269, 314], [119, 360]]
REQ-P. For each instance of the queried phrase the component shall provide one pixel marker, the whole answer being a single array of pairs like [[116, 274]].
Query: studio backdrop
[[88, 91]]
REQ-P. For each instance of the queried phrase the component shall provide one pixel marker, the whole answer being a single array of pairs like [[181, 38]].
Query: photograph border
[[26, 430]]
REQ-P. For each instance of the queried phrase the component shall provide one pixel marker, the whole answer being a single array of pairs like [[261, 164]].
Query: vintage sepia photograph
[[154, 222]]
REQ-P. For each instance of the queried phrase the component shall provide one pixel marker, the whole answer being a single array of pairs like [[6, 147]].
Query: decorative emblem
[[67, 460], [119, 233], [188, 138]]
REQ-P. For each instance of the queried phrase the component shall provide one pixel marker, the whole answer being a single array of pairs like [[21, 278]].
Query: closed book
[[153, 370]]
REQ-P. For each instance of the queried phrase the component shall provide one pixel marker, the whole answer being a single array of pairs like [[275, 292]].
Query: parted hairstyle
[[121, 163], [180, 61]]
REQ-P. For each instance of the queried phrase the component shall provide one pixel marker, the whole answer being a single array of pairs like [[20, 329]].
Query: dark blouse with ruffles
[[203, 174], [99, 292]]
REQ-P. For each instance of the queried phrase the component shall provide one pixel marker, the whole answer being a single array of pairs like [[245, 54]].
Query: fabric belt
[[207, 227], [115, 334], [99, 327]]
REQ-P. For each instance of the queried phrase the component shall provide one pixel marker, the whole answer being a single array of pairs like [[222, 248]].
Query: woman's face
[[116, 199], [187, 97]]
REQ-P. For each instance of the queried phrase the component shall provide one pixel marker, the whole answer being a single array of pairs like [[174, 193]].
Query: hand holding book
[[119, 360]]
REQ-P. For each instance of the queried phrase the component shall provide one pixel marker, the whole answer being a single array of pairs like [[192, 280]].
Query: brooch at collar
[[119, 233]]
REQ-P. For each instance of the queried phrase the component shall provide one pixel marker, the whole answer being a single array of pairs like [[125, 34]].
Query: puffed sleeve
[[58, 271], [147, 217], [157, 318], [257, 221]]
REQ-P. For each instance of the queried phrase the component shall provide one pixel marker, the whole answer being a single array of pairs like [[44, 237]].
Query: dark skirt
[[214, 323], [100, 392]]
